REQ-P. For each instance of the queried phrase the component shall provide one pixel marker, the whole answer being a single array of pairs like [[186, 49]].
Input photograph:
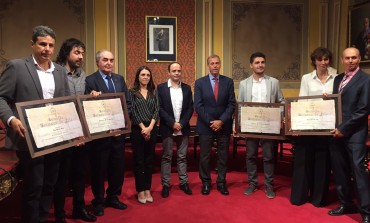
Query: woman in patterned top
[[144, 116]]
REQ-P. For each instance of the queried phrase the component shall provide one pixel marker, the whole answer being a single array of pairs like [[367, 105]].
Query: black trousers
[[143, 157], [72, 168], [107, 159], [311, 171], [348, 160], [39, 177], [206, 142]]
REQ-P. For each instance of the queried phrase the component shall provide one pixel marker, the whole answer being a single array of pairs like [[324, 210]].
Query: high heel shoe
[[142, 199], [148, 196]]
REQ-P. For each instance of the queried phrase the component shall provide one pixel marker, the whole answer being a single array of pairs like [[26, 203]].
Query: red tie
[[215, 90]]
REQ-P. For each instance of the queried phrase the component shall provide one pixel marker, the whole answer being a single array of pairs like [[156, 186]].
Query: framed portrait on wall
[[161, 38], [359, 29]]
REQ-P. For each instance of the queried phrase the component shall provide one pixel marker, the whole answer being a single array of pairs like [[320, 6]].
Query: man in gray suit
[[260, 88], [32, 78]]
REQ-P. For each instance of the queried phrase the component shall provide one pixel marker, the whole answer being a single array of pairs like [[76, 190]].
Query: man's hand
[[17, 127], [216, 125], [176, 126], [336, 133], [95, 93]]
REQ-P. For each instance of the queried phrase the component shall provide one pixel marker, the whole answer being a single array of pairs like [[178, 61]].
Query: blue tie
[[110, 84]]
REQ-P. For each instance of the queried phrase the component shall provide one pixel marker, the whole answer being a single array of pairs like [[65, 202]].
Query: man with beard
[[73, 160], [264, 89]]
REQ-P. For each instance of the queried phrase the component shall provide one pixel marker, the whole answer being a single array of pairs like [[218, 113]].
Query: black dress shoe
[[83, 215], [165, 191], [98, 210], [341, 210], [223, 189], [115, 203], [60, 220], [185, 187], [206, 189], [365, 219]]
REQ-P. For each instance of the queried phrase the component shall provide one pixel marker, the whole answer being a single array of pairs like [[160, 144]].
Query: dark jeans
[[40, 175], [73, 169], [143, 157]]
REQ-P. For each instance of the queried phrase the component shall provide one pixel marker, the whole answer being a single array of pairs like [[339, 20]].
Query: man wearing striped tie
[[348, 150]]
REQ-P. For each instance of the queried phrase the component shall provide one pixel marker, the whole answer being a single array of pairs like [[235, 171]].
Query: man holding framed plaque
[[260, 88], [32, 78], [107, 153], [347, 149], [73, 160]]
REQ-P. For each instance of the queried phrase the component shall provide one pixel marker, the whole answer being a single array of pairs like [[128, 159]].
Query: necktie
[[110, 84], [215, 90], [344, 82]]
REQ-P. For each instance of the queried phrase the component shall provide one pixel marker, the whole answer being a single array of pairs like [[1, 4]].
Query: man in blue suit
[[214, 101], [107, 153], [175, 109], [347, 149]]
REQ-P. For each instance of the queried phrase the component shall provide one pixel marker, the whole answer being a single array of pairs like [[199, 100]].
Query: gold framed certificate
[[52, 124], [105, 115], [259, 120], [312, 115]]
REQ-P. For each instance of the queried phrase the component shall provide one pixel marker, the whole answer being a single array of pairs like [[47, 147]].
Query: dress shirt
[[311, 84], [46, 79], [176, 100], [144, 110], [213, 81], [347, 78], [104, 76], [259, 90]]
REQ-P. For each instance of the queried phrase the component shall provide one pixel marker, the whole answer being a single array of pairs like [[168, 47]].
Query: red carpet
[[179, 207]]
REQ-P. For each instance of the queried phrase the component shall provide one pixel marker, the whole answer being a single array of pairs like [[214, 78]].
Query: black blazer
[[166, 110], [355, 106], [96, 82], [209, 109]]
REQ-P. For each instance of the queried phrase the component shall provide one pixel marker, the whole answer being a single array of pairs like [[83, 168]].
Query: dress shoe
[[206, 189], [98, 210], [341, 210], [115, 203], [365, 219], [185, 187], [165, 191], [83, 215], [60, 220], [223, 189]]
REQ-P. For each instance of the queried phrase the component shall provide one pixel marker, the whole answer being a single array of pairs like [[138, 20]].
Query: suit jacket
[[274, 94], [96, 82], [355, 106], [20, 82], [209, 109], [166, 110]]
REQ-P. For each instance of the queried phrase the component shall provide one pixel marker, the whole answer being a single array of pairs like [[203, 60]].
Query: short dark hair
[[255, 55], [66, 48], [319, 53], [169, 65], [213, 56], [42, 31]]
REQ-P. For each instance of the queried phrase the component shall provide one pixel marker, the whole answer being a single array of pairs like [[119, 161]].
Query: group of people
[[36, 77]]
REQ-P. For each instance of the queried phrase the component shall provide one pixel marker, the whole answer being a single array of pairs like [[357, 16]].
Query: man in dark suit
[[347, 149], [32, 78], [176, 109], [214, 101], [107, 153]]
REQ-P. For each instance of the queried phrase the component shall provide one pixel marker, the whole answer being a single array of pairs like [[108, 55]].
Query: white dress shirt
[[176, 100]]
